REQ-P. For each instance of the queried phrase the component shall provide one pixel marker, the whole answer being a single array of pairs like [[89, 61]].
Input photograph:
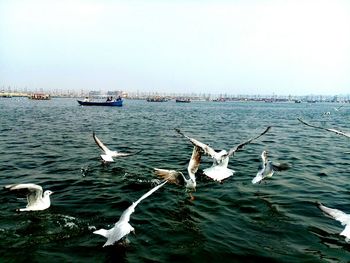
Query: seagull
[[219, 171], [173, 176], [340, 216], [337, 109], [122, 227], [327, 129], [268, 168], [108, 154], [35, 197]]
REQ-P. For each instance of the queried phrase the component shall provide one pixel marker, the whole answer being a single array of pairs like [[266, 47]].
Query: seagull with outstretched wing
[[219, 171], [340, 216], [122, 227], [173, 176], [327, 129], [37, 200], [108, 154], [338, 108], [268, 168]]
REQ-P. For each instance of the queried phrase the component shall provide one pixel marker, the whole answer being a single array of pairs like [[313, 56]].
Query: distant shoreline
[[240, 98]]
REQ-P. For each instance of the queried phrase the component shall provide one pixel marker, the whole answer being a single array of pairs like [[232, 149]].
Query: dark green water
[[48, 142]]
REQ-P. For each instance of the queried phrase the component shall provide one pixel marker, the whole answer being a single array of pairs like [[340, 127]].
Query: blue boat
[[116, 103]]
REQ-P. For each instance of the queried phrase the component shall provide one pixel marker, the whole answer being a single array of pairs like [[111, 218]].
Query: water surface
[[48, 142]]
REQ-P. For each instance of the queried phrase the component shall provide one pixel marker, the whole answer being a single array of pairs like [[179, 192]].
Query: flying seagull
[[337, 109], [268, 168], [122, 227], [108, 154], [173, 176], [327, 129], [340, 216], [219, 171], [35, 197]]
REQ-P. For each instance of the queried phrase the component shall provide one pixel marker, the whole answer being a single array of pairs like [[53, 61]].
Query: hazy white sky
[[236, 47]]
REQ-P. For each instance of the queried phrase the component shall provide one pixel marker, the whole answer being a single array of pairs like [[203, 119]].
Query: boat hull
[[117, 103]]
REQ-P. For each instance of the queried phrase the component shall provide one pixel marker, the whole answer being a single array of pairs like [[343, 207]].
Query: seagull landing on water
[[173, 176], [219, 170], [35, 197], [108, 154], [327, 129], [122, 227], [268, 168], [340, 216]]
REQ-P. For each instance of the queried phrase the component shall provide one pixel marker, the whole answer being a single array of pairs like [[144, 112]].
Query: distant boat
[[116, 103], [39, 96], [219, 100], [157, 99], [183, 100]]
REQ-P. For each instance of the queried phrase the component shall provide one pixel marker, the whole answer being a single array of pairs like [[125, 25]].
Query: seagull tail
[[102, 232], [257, 178], [346, 232]]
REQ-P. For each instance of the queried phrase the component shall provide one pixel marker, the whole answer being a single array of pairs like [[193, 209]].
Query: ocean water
[[49, 142]]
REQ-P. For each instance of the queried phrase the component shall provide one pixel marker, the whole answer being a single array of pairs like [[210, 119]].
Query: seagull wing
[[327, 129], [119, 154], [32, 191], [241, 145], [279, 166], [205, 148], [336, 214], [101, 145], [126, 214], [195, 160], [171, 176]]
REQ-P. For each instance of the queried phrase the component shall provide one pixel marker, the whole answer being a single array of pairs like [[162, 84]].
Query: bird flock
[[38, 200]]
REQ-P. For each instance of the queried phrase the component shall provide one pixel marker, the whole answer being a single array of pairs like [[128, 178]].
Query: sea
[[50, 143]]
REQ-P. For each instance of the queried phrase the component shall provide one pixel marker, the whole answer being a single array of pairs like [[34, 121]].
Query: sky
[[260, 47]]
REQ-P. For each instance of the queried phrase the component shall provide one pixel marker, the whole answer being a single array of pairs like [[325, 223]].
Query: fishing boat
[[5, 96], [183, 100], [39, 96], [116, 103], [157, 99]]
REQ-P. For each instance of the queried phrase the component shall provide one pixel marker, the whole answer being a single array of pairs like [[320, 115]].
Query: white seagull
[[173, 176], [327, 129], [268, 168], [266, 171], [35, 197], [340, 216], [219, 170], [122, 227], [108, 154]]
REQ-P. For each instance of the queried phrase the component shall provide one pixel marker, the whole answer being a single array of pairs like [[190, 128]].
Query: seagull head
[[48, 193], [222, 158], [264, 156], [191, 185]]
